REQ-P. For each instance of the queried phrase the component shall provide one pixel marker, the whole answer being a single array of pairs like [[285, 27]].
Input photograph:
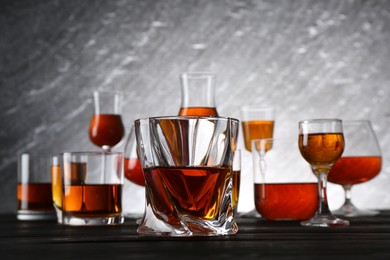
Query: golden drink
[[321, 150], [256, 130]]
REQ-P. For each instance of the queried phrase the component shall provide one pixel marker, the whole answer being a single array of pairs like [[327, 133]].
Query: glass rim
[[105, 92], [197, 74], [320, 120], [93, 153], [209, 118]]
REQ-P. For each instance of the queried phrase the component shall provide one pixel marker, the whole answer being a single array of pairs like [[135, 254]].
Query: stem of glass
[[106, 148], [348, 207], [348, 194], [323, 208]]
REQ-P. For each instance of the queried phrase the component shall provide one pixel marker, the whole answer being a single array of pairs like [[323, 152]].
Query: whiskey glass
[[134, 182], [321, 143], [197, 94], [92, 188], [361, 161], [34, 192], [187, 165], [106, 127]]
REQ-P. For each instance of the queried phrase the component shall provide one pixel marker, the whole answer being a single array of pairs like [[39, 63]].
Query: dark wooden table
[[365, 238]]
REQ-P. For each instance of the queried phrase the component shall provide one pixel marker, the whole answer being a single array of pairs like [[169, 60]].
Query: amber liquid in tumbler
[[321, 150], [352, 170], [106, 129], [198, 111], [286, 201], [56, 185], [93, 200], [35, 196], [256, 130], [236, 188], [195, 191], [133, 171]]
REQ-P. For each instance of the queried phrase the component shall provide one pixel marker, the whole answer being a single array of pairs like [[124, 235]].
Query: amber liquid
[[35, 196], [355, 169], [198, 111], [195, 191], [321, 150], [256, 130], [56, 185], [92, 200], [133, 171], [236, 188], [106, 129], [286, 201]]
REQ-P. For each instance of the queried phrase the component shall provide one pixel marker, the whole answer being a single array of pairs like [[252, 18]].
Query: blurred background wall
[[309, 59]]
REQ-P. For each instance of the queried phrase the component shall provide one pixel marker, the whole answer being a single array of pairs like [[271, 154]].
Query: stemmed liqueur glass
[[360, 162], [106, 127], [257, 123], [321, 143]]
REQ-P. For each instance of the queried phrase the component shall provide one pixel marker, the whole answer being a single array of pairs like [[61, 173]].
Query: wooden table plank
[[367, 237]]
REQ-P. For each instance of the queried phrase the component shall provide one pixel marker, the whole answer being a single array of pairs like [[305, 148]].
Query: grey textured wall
[[307, 58]]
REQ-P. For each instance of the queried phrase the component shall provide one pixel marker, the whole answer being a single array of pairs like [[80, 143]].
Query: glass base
[[155, 225], [349, 210], [35, 215], [325, 221], [132, 216], [96, 221]]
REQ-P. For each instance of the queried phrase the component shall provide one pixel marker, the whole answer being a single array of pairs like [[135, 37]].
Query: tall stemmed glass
[[360, 162], [106, 127], [321, 143], [257, 123]]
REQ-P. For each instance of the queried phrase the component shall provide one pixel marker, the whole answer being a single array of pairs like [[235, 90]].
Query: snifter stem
[[348, 194]]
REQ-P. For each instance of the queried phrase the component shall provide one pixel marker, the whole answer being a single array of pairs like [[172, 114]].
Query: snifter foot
[[325, 221], [350, 210]]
